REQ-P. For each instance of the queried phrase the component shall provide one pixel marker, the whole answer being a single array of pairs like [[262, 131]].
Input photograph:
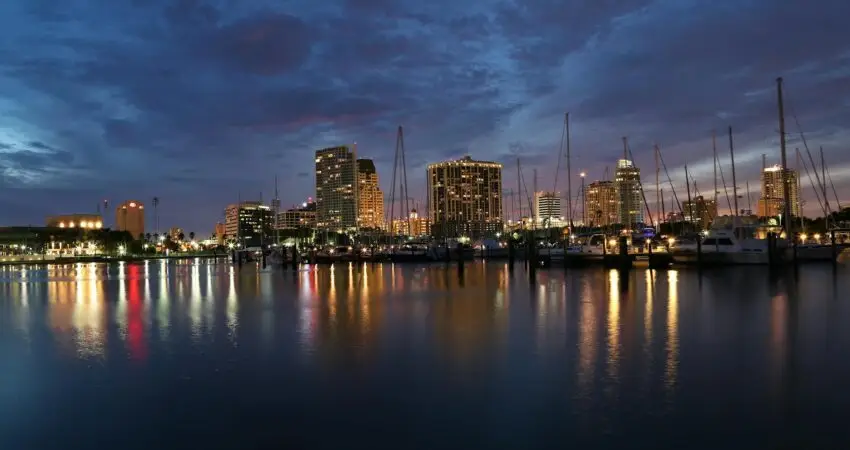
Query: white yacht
[[741, 240]]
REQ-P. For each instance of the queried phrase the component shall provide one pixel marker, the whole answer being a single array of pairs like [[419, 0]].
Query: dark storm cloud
[[207, 98]]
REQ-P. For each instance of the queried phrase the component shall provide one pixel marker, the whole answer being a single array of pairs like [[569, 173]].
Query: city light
[[122, 250]]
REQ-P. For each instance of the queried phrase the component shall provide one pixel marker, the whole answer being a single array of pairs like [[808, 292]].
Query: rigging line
[[834, 192], [560, 156], [821, 183], [725, 188], [669, 180], [819, 190], [812, 181]]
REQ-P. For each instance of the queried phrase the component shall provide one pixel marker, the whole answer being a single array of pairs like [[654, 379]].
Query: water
[[202, 355]]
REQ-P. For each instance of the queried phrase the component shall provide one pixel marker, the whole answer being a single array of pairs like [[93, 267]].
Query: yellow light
[[671, 241], [61, 224], [132, 204], [100, 225], [817, 236], [612, 242], [803, 237]]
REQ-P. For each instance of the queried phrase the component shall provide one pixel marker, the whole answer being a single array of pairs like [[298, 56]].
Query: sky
[[203, 102]]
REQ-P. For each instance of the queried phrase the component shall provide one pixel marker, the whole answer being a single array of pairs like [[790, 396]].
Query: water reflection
[[616, 350]]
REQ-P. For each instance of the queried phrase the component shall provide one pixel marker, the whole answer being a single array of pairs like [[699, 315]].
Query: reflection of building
[[547, 208], [627, 182], [336, 193], [130, 217], [700, 210], [419, 226], [249, 223], [771, 202], [302, 217], [465, 197], [85, 221], [370, 199], [601, 204]]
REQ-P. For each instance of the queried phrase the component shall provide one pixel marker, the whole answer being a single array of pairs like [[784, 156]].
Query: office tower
[[303, 216], [700, 210], [771, 203], [465, 198], [547, 209], [249, 224], [336, 190], [370, 199], [601, 204], [630, 202]]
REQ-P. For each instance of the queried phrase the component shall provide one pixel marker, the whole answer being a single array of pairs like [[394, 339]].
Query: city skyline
[[140, 101]]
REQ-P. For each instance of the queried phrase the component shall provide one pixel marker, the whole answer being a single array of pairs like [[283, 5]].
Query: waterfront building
[[220, 233], [601, 204], [249, 223], [547, 209], [370, 198], [83, 221], [130, 217], [700, 210], [336, 189], [465, 198], [413, 225], [303, 216], [772, 203], [630, 201]]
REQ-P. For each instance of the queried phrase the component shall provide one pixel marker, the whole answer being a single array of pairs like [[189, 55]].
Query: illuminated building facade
[[630, 201], [465, 198], [301, 217], [601, 204], [83, 221], [130, 217], [547, 209], [249, 224], [336, 190], [418, 226], [220, 233], [771, 203], [370, 198], [700, 210]]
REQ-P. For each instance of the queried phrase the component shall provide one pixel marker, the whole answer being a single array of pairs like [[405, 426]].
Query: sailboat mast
[[734, 180], [657, 189], [569, 173], [786, 207], [749, 198], [799, 165], [690, 208], [714, 152], [276, 212], [822, 177], [519, 189]]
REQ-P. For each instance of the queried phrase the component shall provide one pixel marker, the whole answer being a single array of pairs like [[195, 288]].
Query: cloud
[[134, 94]]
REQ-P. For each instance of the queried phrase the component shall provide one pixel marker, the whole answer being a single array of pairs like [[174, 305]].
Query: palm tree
[[148, 237], [181, 237], [191, 235]]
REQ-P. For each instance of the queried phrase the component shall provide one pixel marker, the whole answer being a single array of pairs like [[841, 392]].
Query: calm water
[[207, 356]]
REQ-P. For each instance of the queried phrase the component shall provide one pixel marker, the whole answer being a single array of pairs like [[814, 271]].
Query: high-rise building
[[547, 209], [370, 199], [771, 203], [130, 217], [601, 204], [298, 217], [465, 198], [700, 210], [413, 225], [249, 224], [220, 233], [630, 204], [336, 188]]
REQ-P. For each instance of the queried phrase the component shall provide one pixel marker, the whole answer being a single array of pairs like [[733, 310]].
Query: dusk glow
[[197, 102]]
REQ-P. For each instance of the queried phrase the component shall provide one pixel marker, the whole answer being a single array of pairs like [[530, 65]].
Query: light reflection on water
[[620, 353]]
